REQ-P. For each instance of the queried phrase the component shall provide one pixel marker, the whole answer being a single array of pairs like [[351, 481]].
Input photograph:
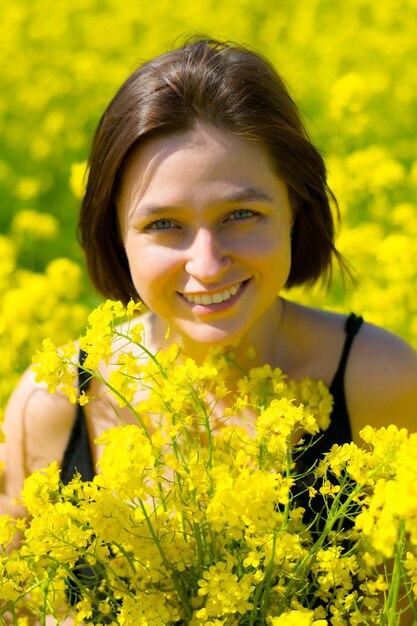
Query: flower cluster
[[195, 519]]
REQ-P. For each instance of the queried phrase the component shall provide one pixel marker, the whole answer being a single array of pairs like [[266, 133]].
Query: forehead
[[205, 157], [204, 143]]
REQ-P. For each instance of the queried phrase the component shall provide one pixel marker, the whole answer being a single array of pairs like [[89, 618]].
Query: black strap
[[78, 456], [83, 376], [352, 326], [339, 430]]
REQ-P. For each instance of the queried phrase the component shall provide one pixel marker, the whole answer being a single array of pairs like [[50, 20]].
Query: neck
[[259, 346]]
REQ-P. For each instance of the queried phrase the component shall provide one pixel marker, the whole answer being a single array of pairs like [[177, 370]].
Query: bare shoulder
[[36, 428], [38, 425], [381, 371], [381, 380], [32, 404]]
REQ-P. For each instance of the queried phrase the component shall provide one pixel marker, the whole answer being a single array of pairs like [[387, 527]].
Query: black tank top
[[78, 454]]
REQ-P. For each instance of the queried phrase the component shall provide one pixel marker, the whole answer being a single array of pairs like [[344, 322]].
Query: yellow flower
[[9, 590], [136, 333], [64, 277], [7, 530], [126, 462], [84, 611], [296, 618], [78, 178], [53, 368], [41, 488], [147, 609], [35, 225], [7, 256], [226, 593]]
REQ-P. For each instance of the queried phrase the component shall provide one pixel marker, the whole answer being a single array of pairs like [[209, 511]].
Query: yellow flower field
[[351, 66]]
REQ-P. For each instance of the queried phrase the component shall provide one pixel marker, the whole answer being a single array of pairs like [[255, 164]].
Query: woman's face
[[206, 226]]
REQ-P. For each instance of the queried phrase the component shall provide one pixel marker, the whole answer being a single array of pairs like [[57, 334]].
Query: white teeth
[[215, 298]]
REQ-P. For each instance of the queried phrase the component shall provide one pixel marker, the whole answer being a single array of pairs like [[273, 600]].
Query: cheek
[[271, 246], [149, 264], [273, 258]]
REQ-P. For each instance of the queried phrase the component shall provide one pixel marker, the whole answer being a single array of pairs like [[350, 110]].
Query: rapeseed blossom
[[362, 98], [194, 519], [39, 226], [359, 104], [78, 179]]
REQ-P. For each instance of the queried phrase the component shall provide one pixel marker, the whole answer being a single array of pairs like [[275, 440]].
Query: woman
[[205, 198]]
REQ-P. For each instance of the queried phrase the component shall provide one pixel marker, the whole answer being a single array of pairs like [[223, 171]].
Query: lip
[[215, 306]]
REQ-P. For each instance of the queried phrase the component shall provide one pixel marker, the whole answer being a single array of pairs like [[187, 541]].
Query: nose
[[207, 259]]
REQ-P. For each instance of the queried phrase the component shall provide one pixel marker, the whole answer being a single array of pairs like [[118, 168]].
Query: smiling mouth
[[214, 298]]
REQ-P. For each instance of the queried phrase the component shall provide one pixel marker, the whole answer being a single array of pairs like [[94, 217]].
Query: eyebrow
[[249, 194], [246, 195]]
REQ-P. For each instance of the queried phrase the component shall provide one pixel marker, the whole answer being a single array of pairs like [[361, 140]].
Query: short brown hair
[[232, 88]]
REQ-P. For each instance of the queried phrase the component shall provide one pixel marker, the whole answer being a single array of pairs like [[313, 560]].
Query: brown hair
[[226, 86]]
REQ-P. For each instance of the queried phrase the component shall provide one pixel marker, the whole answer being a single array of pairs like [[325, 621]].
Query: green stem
[[411, 598], [263, 587], [179, 587], [154, 536], [99, 377], [199, 545], [390, 611], [213, 540], [267, 584], [288, 476], [335, 514], [146, 351]]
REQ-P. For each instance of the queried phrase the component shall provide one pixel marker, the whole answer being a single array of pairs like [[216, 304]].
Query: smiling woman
[[215, 233], [225, 87], [205, 198]]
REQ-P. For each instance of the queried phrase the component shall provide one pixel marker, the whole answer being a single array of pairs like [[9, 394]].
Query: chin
[[205, 334], [210, 337]]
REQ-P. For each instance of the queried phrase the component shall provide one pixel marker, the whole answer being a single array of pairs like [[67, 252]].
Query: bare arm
[[381, 389], [381, 381], [37, 425]]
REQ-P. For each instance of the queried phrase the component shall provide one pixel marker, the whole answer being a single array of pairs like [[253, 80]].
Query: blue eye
[[162, 224], [240, 214]]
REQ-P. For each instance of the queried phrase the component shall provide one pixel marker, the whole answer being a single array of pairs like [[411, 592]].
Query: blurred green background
[[351, 66]]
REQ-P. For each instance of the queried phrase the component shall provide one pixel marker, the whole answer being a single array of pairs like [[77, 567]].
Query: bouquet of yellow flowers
[[197, 517]]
